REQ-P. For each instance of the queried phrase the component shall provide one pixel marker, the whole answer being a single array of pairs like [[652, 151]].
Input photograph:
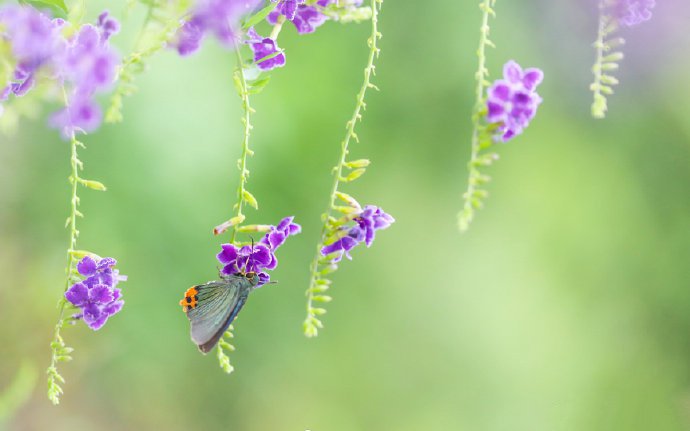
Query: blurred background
[[565, 307]]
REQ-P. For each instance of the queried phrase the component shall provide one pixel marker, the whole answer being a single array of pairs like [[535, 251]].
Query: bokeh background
[[565, 307]]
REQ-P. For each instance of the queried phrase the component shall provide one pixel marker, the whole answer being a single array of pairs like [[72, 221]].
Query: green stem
[[58, 345], [467, 213], [369, 70], [275, 31], [246, 121], [599, 102]]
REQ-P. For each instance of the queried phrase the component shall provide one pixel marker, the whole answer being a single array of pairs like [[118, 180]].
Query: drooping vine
[[613, 14], [345, 223], [498, 116], [79, 62]]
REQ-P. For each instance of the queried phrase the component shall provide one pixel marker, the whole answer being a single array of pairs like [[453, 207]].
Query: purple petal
[[285, 223], [230, 269], [512, 72], [91, 313], [87, 266], [500, 90], [263, 279], [228, 254], [106, 262], [308, 19], [188, 38], [272, 17], [357, 232], [96, 323], [265, 48], [82, 115], [78, 294], [262, 255], [532, 78], [294, 229], [108, 26], [272, 264], [21, 88], [113, 308], [275, 239], [100, 294]]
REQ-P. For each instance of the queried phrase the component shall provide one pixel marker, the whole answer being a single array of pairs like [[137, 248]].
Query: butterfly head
[[251, 276]]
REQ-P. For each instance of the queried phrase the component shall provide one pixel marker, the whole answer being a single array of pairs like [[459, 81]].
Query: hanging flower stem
[[60, 352], [473, 196], [321, 265]]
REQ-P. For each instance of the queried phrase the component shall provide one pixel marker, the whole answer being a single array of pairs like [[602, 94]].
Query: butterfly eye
[[250, 275]]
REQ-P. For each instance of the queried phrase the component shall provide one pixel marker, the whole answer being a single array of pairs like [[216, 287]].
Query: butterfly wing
[[215, 306]]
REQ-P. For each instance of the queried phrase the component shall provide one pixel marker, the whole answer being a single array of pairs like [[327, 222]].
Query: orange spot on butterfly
[[190, 299]]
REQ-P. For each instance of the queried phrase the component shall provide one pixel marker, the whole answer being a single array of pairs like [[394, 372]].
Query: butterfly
[[212, 307]]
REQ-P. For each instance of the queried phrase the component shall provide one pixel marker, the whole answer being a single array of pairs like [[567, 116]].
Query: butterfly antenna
[[246, 262]]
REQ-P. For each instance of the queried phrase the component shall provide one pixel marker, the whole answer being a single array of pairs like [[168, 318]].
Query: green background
[[565, 307]]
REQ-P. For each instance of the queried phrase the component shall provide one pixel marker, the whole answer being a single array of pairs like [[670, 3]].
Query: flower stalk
[[473, 195], [323, 265]]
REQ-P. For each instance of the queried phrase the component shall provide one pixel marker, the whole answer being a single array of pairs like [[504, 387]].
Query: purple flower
[[277, 235], [263, 47], [188, 38], [512, 101], [308, 19], [82, 115], [218, 17], [632, 12], [259, 257], [367, 222], [305, 18], [96, 295], [287, 7]]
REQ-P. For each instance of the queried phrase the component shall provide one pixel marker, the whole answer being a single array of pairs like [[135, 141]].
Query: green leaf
[[250, 199], [348, 199], [95, 185], [257, 85], [259, 16], [360, 163], [353, 175], [58, 7]]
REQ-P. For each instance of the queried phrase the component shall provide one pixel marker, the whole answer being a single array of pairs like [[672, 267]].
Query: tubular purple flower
[[305, 18], [512, 101], [188, 38], [82, 115], [263, 47]]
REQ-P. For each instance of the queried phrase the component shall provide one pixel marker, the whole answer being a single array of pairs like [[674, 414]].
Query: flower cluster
[[512, 101], [97, 295], [218, 17], [85, 63], [632, 12], [259, 257], [367, 222]]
